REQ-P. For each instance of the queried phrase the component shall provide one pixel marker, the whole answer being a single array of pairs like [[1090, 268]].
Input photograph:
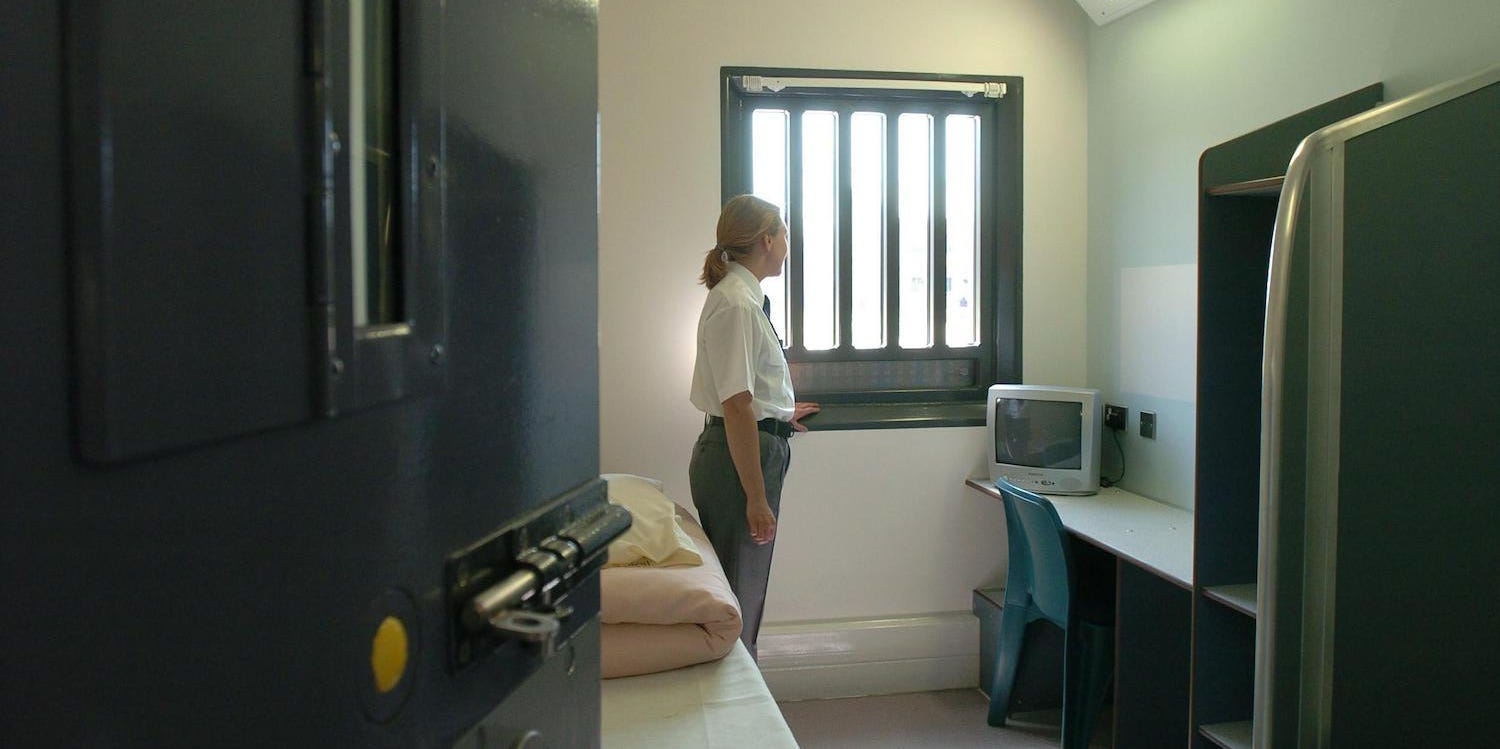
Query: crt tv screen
[[1039, 433]]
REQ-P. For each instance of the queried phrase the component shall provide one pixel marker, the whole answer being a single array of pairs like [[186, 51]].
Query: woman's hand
[[803, 409], [744, 450], [762, 523]]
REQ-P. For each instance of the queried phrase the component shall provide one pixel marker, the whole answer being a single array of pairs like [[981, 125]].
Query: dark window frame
[[997, 358]]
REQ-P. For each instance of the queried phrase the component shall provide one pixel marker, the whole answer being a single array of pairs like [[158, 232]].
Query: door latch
[[521, 606], [518, 596]]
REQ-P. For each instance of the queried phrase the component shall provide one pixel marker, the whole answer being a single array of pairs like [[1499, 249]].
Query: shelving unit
[[1241, 598], [1228, 735], [1236, 209], [1268, 186]]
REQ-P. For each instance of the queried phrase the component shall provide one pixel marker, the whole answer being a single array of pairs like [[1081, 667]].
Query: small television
[[1044, 438]]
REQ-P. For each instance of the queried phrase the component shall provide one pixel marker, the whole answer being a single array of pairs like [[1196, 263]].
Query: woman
[[740, 380]]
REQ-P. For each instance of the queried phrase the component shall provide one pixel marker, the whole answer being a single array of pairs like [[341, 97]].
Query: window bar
[[892, 231], [844, 266], [939, 213], [989, 231], [996, 323], [793, 334]]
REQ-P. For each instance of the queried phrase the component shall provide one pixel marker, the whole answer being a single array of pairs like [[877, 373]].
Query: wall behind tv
[[1174, 78]]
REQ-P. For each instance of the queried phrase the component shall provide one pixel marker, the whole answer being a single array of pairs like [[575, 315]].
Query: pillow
[[655, 538]]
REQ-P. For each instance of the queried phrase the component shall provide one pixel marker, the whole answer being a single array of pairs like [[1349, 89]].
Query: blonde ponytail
[[744, 220], [715, 265]]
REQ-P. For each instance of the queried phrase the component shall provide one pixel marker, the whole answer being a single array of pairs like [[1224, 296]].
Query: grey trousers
[[720, 502]]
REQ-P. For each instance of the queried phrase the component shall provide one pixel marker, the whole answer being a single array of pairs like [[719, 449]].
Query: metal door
[[231, 514]]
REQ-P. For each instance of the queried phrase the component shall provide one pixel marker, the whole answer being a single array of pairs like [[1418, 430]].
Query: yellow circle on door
[[388, 654]]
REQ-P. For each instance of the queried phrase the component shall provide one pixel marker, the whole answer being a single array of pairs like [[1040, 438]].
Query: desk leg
[[1153, 631]]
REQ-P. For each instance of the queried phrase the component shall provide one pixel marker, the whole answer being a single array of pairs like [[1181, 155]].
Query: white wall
[[874, 523], [1175, 78]]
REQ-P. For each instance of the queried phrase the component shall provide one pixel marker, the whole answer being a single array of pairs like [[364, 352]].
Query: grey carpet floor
[[951, 719]]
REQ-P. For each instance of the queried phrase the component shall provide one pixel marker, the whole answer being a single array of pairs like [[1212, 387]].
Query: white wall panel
[[1157, 330]]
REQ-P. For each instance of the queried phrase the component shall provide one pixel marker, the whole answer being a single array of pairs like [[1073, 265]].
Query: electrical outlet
[[1148, 425], [1114, 416]]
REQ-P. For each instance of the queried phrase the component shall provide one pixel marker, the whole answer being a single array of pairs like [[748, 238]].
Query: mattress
[[723, 704]]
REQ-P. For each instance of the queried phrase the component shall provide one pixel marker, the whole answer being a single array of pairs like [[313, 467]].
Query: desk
[[1148, 545], [1147, 533]]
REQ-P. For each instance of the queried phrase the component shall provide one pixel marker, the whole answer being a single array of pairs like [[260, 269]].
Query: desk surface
[[1150, 534]]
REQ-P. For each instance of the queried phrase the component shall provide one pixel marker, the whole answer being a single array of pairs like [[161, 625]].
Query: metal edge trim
[[1406, 106], [1320, 552], [1273, 353], [1272, 360]]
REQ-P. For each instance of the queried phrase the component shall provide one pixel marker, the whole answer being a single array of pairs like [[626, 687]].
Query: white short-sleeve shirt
[[738, 351]]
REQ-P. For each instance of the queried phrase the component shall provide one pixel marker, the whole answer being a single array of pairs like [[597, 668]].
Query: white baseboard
[[857, 657]]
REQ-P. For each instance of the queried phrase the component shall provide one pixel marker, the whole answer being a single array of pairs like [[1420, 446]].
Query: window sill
[[840, 416]]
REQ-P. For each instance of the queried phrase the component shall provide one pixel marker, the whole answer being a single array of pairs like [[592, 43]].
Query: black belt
[[781, 429]]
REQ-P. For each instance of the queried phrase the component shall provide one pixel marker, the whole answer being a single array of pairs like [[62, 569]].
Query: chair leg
[[1013, 619], [1088, 669]]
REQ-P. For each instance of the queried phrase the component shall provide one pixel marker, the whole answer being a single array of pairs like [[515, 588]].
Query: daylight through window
[[901, 280]]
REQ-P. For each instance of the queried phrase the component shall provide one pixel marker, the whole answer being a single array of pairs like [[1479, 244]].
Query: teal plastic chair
[[1042, 584]]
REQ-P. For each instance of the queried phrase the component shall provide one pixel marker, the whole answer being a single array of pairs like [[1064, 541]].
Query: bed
[[721, 704], [675, 672]]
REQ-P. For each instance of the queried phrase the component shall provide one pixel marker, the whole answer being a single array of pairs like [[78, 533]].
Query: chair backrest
[[1040, 563]]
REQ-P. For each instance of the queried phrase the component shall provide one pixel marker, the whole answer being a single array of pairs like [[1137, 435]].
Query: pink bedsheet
[[661, 618]]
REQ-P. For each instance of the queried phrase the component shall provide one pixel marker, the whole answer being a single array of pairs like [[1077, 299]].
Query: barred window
[[902, 194]]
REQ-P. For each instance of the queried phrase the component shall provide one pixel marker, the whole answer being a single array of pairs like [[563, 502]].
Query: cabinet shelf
[[1253, 187], [1239, 183], [1228, 735], [1241, 598]]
